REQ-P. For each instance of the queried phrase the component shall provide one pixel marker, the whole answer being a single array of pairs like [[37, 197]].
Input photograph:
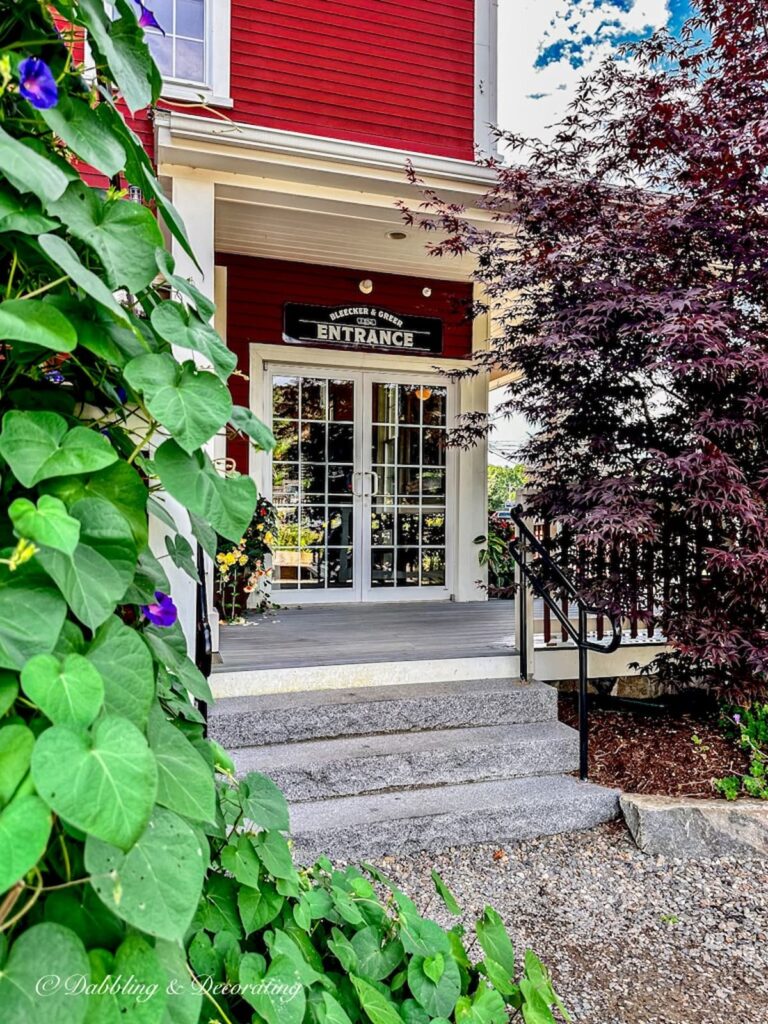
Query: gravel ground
[[628, 938]]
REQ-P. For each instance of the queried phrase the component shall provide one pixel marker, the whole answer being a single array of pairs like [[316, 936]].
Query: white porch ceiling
[[332, 232]]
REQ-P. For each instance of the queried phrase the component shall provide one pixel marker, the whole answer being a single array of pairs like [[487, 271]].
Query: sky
[[545, 46]]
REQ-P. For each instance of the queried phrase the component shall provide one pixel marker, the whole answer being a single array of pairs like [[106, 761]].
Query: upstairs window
[[181, 52]]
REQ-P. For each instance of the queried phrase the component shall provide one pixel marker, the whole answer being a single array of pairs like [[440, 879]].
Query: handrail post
[[583, 697], [524, 597]]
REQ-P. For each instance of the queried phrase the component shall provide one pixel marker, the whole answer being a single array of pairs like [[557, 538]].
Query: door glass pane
[[408, 452], [312, 482], [341, 400]]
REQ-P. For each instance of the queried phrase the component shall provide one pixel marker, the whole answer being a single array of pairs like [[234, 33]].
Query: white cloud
[[565, 32]]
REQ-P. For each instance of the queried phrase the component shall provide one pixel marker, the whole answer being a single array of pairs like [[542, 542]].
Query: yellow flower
[[260, 527], [230, 558], [243, 560], [22, 553], [268, 537]]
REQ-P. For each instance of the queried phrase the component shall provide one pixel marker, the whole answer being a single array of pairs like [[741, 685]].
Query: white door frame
[[362, 479], [394, 593]]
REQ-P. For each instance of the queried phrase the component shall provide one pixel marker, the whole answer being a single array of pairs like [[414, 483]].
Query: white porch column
[[194, 197], [473, 484]]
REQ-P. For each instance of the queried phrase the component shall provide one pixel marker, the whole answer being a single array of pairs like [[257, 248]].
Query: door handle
[[374, 480], [355, 476]]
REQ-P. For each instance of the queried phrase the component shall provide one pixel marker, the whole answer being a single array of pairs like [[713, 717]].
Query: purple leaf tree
[[628, 273]]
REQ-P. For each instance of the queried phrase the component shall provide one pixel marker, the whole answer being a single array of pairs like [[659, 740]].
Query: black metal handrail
[[526, 540]]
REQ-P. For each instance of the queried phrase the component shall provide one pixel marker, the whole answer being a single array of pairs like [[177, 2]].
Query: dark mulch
[[652, 750]]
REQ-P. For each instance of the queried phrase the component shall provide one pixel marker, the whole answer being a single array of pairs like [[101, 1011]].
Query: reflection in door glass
[[312, 475], [408, 454]]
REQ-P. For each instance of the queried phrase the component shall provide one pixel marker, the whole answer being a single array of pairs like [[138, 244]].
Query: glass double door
[[360, 481]]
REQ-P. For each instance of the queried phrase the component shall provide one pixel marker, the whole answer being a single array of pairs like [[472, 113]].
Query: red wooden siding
[[258, 288], [397, 73]]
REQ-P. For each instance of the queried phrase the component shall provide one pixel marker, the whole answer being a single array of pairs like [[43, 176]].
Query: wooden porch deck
[[349, 634]]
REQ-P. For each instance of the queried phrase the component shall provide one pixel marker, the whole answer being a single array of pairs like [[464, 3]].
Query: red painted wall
[[397, 73], [258, 288]]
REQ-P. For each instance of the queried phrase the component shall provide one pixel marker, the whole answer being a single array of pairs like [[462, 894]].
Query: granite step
[[409, 821], [275, 718], [320, 769]]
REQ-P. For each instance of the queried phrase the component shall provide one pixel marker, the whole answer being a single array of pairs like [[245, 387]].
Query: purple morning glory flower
[[737, 718], [147, 18], [37, 84], [163, 613], [54, 376]]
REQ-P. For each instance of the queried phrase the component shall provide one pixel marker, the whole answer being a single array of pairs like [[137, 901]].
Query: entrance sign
[[363, 326]]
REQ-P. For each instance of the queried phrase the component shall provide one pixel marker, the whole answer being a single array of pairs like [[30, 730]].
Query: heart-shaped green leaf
[[22, 215], [16, 744], [375, 958], [36, 323], [438, 998], [48, 951], [184, 783], [69, 692], [377, 1007], [184, 1006], [192, 404], [275, 855], [97, 575], [123, 47], [64, 256], [83, 130], [156, 885], [494, 940], [32, 613], [47, 524], [104, 782], [28, 170], [119, 484], [281, 999], [243, 419], [38, 445], [123, 235], [143, 993], [239, 859], [25, 825], [263, 803], [227, 503], [125, 665], [258, 907], [182, 328], [167, 267]]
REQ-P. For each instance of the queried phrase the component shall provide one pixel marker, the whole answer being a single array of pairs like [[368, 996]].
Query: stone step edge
[[367, 826], [327, 750]]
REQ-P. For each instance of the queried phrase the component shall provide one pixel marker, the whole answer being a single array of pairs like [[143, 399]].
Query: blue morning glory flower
[[163, 612], [147, 18], [37, 84]]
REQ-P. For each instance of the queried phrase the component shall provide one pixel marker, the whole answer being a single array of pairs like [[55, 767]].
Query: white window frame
[[215, 90]]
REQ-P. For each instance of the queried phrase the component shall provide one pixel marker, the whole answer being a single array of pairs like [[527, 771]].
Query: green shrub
[[125, 869], [749, 727]]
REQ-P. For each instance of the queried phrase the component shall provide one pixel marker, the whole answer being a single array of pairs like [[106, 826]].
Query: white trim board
[[177, 129], [382, 673]]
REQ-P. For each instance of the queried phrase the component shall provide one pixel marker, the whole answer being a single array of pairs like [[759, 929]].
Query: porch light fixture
[[397, 236], [135, 195], [366, 286], [423, 393]]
